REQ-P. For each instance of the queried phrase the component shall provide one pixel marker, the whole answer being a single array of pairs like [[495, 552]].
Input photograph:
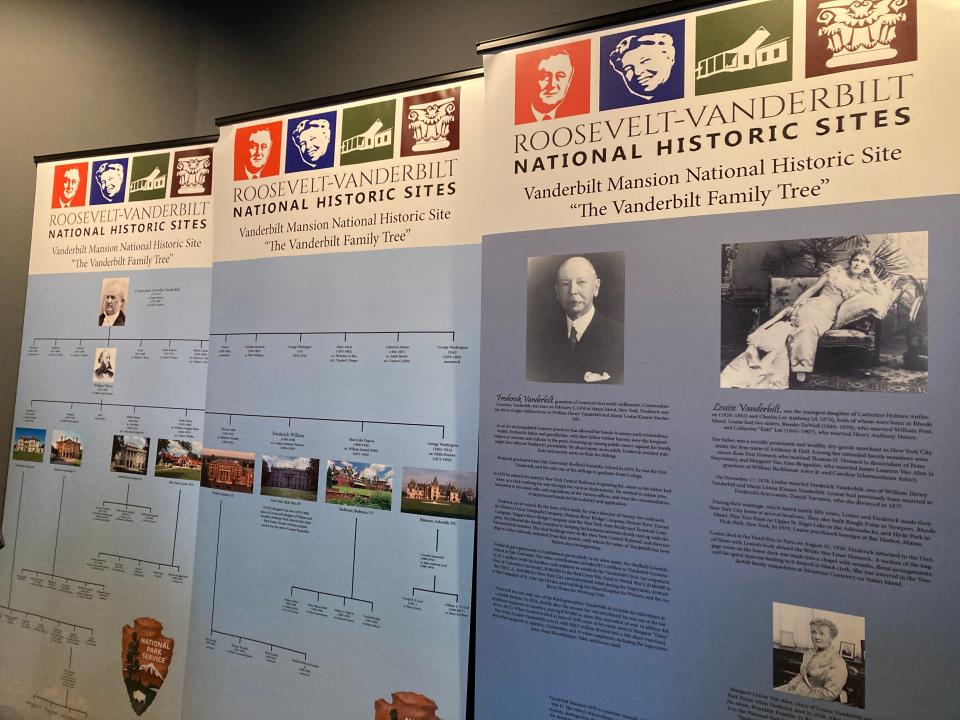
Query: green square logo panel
[[744, 47], [368, 132], [148, 177]]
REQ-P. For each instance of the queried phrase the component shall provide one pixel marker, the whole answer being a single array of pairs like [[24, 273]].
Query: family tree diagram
[[355, 381], [93, 526], [103, 480]]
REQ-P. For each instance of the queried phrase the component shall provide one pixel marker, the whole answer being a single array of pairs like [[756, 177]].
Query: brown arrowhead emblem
[[405, 706], [146, 657]]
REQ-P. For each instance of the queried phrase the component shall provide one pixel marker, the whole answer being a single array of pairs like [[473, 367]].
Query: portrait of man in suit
[[569, 338], [256, 151], [552, 83], [113, 302], [259, 145], [69, 185]]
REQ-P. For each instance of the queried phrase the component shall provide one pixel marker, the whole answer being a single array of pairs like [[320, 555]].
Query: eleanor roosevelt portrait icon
[[311, 141], [256, 151], [109, 181], [575, 318], [69, 186], [113, 301], [192, 172], [644, 65], [431, 122], [852, 34], [552, 83], [148, 177], [746, 46]]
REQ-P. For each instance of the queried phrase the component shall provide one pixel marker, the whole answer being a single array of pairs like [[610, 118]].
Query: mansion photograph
[[443, 493], [368, 485], [66, 449], [178, 459], [227, 470], [28, 444], [295, 478], [130, 454]]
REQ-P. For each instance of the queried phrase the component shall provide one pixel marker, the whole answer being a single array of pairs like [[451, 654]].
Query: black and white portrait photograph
[[575, 307], [113, 301], [832, 313], [104, 366], [819, 654]]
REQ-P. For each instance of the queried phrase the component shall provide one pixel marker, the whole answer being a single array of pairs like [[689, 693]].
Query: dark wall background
[[83, 75]]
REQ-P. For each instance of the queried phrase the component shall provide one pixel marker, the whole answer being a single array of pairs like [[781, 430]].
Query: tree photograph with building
[[294, 478], [847, 312], [28, 444], [368, 485], [130, 454], [66, 449], [178, 459], [230, 470], [441, 493]]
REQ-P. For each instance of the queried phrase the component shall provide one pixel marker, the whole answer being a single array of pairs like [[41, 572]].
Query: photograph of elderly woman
[[818, 654], [831, 313]]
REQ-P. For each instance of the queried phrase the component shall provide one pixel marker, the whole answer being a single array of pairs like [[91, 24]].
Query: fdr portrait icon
[[109, 181], [644, 65], [69, 186], [574, 318], [311, 142], [552, 83], [256, 151]]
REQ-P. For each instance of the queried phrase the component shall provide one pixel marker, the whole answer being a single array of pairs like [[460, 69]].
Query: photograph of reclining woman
[[836, 313]]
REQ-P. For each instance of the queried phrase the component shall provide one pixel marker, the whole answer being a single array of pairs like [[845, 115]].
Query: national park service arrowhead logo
[[146, 661], [405, 706]]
